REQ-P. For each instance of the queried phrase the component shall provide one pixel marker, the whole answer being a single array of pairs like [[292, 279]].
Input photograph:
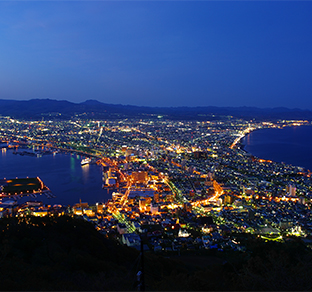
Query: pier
[[20, 187]]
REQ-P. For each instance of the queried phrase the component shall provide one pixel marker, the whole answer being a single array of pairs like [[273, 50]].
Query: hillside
[[63, 253]]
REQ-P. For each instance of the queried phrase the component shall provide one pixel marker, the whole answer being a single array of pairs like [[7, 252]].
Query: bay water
[[62, 173], [291, 145]]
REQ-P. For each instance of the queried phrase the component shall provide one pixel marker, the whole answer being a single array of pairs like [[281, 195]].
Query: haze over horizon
[[163, 54]]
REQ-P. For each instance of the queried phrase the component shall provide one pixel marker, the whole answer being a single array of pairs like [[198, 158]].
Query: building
[[141, 193], [131, 239], [154, 208], [187, 207], [200, 155], [122, 228], [291, 190], [139, 176], [142, 204]]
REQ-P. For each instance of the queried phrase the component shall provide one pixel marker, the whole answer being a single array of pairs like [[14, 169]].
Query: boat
[[85, 161]]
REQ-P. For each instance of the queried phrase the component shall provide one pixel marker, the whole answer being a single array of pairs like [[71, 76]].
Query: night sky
[[158, 53]]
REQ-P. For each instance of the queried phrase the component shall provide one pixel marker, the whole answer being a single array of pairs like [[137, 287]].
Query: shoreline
[[242, 146]]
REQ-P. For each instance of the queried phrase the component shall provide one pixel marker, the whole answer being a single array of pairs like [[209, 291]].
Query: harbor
[[67, 179]]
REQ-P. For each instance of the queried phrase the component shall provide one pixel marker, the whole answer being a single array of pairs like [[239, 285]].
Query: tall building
[[291, 190]]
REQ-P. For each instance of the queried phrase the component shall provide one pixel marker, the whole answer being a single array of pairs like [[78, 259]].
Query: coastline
[[280, 148]]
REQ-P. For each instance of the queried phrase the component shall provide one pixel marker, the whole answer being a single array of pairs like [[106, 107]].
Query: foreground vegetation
[[64, 253]]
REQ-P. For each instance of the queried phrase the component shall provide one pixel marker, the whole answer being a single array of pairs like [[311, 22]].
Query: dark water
[[62, 173], [292, 145]]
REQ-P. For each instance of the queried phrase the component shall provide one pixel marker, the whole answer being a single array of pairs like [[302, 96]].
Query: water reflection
[[72, 164], [85, 172], [62, 173]]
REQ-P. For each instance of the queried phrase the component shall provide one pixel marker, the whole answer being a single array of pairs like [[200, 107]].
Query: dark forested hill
[[68, 254], [49, 109]]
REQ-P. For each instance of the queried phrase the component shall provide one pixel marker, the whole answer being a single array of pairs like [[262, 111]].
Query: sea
[[62, 173], [291, 145]]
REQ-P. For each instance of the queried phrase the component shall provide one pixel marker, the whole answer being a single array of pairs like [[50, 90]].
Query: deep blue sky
[[175, 53]]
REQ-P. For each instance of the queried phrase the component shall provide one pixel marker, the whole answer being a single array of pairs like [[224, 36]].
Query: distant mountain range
[[52, 109]]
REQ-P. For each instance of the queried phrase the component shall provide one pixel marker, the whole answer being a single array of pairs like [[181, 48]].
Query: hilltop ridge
[[49, 108]]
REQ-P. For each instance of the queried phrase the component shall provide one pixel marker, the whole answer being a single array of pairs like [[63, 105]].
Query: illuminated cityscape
[[185, 185]]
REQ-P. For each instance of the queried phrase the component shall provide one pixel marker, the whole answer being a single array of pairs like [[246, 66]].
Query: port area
[[19, 187]]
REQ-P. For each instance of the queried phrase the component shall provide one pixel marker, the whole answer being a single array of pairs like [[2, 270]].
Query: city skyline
[[158, 53]]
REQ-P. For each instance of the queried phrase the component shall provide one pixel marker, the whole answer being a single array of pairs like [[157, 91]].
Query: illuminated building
[[99, 208], [154, 208], [89, 212], [78, 211], [124, 148], [156, 197], [169, 198], [187, 207], [302, 200], [228, 199], [40, 212], [139, 176], [142, 204], [291, 190]]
